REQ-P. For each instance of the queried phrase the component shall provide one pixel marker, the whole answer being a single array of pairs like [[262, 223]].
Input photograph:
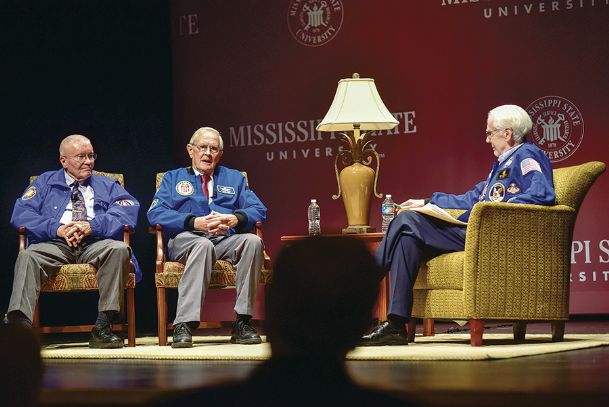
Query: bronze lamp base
[[358, 229]]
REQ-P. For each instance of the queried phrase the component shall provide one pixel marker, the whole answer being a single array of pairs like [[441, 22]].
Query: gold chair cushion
[[438, 304], [223, 275], [76, 277], [444, 272]]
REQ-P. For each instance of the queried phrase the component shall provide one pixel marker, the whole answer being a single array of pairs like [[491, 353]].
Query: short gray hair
[[206, 130], [72, 139], [513, 117]]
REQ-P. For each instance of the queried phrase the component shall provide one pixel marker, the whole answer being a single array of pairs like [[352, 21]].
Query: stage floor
[[560, 379]]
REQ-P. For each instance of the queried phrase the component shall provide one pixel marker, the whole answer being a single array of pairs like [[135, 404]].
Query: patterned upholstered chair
[[168, 275], [81, 277], [515, 266]]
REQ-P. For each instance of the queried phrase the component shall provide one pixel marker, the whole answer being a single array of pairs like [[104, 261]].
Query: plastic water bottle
[[387, 212], [314, 218]]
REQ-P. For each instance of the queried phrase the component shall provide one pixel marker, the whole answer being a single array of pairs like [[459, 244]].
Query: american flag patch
[[527, 165]]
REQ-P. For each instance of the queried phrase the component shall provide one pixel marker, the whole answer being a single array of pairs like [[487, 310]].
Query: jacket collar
[[508, 153], [59, 179], [192, 171]]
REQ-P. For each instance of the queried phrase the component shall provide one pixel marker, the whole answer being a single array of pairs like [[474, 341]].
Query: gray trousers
[[199, 253], [38, 261]]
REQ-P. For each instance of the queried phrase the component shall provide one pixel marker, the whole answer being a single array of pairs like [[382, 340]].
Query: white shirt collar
[[505, 155], [198, 174], [70, 180], [86, 188]]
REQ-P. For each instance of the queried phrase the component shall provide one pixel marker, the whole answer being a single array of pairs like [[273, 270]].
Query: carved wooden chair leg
[[131, 317], [558, 331], [429, 328], [476, 329], [411, 329], [520, 330], [36, 317], [161, 304]]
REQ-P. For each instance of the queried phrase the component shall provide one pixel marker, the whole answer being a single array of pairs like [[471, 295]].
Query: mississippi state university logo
[[558, 126], [315, 22]]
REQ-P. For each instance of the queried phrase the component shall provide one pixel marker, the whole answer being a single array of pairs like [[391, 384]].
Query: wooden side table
[[372, 241]]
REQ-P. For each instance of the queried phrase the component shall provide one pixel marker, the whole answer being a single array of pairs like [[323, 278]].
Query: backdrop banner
[[264, 73]]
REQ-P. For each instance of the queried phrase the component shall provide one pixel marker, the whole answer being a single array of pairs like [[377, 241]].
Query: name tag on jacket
[[226, 190]]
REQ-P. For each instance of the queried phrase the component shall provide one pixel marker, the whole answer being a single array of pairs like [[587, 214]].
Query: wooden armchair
[[515, 266], [168, 274], [82, 277]]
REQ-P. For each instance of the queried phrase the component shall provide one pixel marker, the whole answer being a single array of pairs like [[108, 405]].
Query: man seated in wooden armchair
[[206, 211], [74, 216]]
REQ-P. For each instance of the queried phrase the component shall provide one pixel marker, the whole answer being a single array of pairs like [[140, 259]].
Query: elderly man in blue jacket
[[74, 216], [206, 211], [521, 174]]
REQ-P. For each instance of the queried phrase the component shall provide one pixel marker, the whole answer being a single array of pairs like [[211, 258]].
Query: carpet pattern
[[439, 347]]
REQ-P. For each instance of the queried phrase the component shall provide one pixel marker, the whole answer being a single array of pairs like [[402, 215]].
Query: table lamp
[[357, 107]]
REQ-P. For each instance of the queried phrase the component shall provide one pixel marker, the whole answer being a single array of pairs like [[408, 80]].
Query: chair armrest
[[160, 247], [258, 229], [516, 257], [267, 259], [22, 238], [127, 232]]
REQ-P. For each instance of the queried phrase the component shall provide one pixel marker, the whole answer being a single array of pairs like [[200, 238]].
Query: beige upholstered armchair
[[82, 277], [515, 266], [169, 273]]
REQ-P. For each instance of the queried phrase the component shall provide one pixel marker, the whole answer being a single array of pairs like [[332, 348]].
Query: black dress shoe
[[385, 334], [244, 333], [104, 338], [182, 336]]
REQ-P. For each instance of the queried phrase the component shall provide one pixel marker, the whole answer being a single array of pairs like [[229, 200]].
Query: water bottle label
[[388, 210]]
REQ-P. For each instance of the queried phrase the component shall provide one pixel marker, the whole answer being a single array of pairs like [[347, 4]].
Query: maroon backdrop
[[264, 73]]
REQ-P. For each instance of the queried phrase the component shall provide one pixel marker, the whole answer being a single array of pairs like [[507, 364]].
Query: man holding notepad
[[521, 174]]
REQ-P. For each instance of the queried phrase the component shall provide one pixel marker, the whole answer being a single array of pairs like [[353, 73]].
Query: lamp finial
[[355, 76]]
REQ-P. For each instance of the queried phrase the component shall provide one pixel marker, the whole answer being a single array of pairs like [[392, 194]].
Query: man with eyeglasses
[[74, 216], [206, 211], [521, 174]]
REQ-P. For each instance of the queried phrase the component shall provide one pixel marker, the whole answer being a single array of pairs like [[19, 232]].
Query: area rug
[[439, 347]]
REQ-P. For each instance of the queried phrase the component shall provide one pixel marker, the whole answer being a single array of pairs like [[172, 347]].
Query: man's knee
[[252, 242], [203, 244], [31, 253], [25, 255], [408, 220], [200, 249], [34, 250], [408, 216], [118, 248]]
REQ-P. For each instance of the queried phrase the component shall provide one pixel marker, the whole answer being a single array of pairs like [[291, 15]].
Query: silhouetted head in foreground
[[321, 297], [317, 307]]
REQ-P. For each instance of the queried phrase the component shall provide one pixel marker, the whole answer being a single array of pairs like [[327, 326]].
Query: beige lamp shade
[[357, 102]]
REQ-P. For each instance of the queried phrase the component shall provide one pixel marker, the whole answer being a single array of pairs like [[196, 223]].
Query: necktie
[[79, 211], [204, 181]]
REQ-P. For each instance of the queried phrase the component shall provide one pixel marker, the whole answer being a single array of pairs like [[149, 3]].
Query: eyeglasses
[[83, 157], [489, 133], [212, 149]]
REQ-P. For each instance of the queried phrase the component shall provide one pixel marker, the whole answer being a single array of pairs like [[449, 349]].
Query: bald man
[[74, 216]]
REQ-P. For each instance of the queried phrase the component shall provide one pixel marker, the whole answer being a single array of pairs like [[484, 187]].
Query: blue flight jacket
[[43, 203], [180, 197], [524, 176]]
